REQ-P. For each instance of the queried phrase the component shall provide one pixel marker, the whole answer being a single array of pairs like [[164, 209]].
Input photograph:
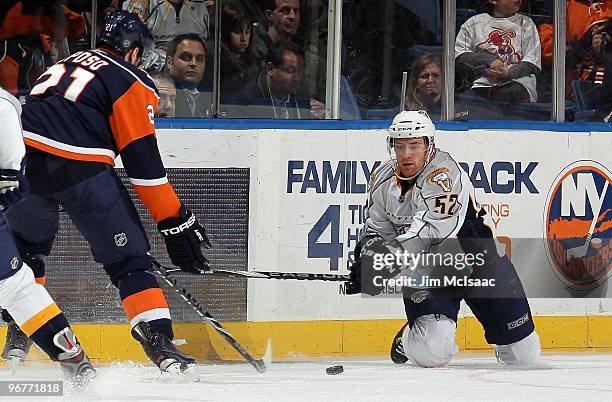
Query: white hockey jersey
[[439, 205], [513, 39], [12, 148]]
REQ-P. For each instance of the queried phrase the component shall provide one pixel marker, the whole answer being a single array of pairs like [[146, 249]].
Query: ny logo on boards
[[578, 224]]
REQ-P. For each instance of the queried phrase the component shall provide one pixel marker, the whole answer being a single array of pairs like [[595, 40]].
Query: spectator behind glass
[[238, 67], [500, 51], [186, 64], [167, 19], [283, 20], [585, 54], [425, 85], [275, 92], [167, 94], [26, 46]]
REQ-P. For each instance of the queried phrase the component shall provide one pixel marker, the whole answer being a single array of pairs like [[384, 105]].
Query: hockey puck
[[334, 370]]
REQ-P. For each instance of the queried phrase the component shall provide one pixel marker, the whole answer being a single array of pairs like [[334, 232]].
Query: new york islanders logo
[[578, 224]]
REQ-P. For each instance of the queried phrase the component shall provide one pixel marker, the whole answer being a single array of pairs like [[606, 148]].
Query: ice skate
[[17, 345], [74, 362], [160, 349], [397, 349]]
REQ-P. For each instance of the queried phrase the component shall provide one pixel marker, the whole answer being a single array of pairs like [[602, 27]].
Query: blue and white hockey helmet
[[122, 31]]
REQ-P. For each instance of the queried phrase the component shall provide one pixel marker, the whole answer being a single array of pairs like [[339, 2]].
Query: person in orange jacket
[[584, 41], [25, 29]]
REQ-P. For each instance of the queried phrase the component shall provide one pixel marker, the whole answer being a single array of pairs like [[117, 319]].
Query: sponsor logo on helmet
[[121, 239], [440, 177], [578, 225]]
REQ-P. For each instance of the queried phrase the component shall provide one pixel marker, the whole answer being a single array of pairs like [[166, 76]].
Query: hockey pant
[[101, 209]]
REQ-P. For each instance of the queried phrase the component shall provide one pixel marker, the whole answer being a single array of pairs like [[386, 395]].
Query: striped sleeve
[[132, 114], [134, 134], [147, 174]]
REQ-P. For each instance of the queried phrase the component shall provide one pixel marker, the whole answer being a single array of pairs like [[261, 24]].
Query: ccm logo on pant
[[517, 323], [179, 228]]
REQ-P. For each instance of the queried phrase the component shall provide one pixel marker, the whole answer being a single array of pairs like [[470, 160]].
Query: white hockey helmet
[[412, 124]]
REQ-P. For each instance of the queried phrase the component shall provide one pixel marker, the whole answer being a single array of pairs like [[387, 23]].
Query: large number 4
[[81, 78], [333, 249]]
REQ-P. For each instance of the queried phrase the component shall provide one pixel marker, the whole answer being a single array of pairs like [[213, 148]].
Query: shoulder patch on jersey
[[440, 177], [381, 174]]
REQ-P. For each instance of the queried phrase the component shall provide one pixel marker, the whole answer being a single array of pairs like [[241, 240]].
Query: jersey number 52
[[446, 204]]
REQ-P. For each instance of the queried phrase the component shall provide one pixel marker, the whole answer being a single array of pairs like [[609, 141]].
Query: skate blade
[[180, 372], [80, 382], [267, 357], [14, 363]]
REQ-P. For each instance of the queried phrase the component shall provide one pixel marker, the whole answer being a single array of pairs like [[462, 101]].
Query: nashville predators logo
[[440, 177], [419, 296]]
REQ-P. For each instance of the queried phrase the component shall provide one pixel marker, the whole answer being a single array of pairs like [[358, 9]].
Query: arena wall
[[307, 185]]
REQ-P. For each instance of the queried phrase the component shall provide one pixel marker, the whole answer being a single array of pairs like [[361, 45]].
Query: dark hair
[[269, 5], [233, 18], [277, 52], [179, 38]]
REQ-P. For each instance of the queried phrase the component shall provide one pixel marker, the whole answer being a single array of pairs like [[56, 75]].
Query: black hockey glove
[[367, 274], [353, 286], [184, 237], [13, 187]]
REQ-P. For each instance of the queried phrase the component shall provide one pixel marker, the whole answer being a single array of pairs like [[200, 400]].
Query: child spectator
[[501, 50], [236, 50]]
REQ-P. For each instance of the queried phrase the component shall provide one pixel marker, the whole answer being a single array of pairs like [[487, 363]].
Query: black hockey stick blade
[[300, 276], [161, 271]]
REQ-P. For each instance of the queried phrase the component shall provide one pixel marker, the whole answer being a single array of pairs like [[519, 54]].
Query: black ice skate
[[74, 362], [397, 349], [17, 344], [160, 349]]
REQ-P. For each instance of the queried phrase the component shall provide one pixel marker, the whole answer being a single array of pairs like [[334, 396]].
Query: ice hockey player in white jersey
[[28, 303], [418, 202]]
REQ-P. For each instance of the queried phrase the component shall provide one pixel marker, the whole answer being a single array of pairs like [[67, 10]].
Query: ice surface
[[469, 377]]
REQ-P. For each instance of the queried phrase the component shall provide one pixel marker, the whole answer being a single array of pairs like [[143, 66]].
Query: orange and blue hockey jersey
[[93, 106]]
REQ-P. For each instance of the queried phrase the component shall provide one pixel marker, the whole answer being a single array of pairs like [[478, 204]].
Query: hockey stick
[[300, 276], [580, 251], [259, 364]]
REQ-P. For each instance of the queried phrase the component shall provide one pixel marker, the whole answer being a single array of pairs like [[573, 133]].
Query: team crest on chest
[[440, 177]]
